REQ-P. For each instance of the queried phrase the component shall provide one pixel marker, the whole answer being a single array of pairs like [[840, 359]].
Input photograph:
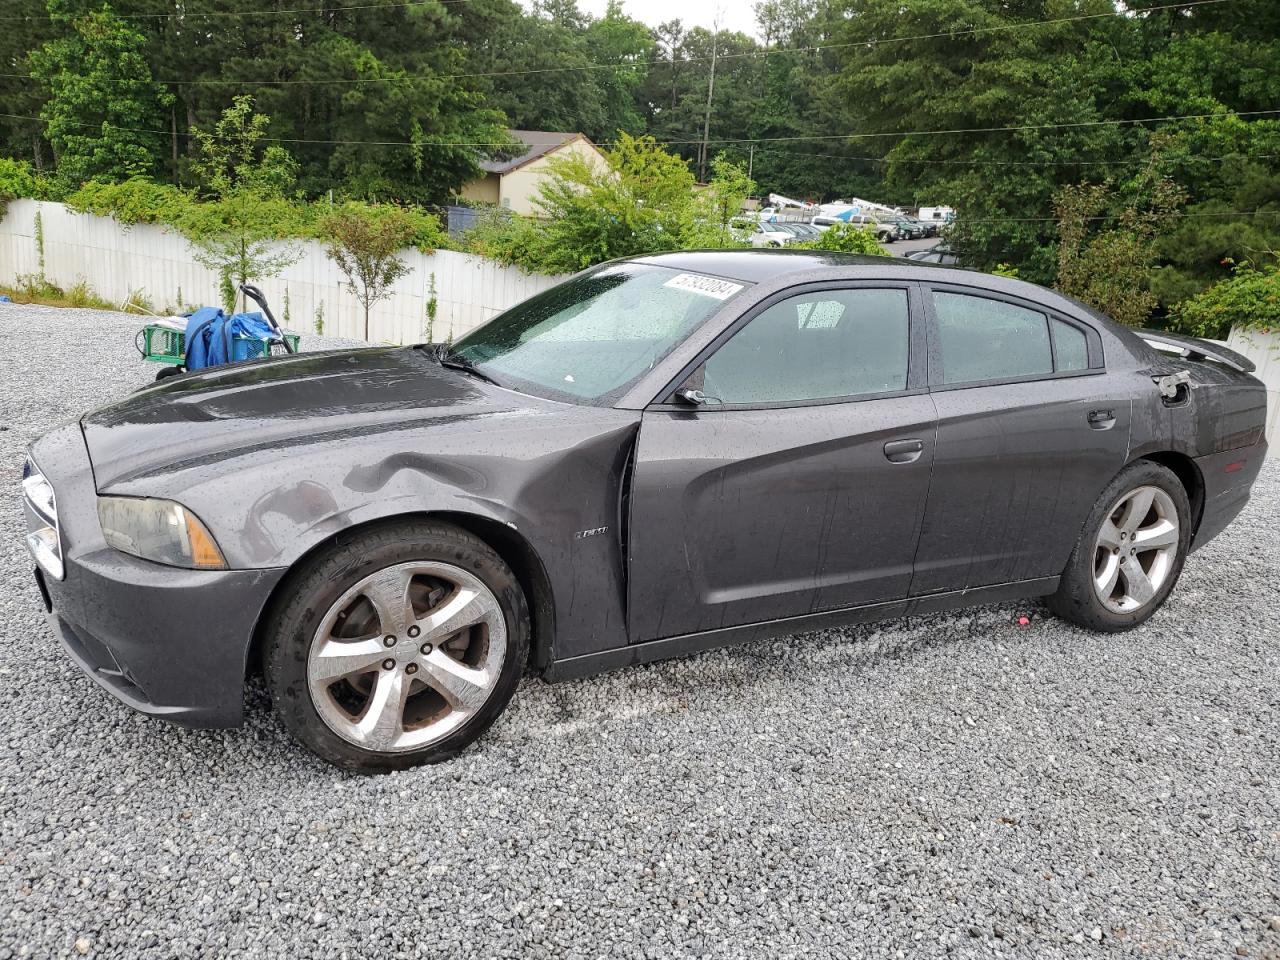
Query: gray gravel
[[948, 786]]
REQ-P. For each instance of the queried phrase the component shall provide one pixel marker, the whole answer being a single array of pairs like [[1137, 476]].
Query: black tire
[[1076, 600], [311, 591]]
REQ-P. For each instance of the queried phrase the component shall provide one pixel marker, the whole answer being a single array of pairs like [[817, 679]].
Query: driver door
[[798, 486]]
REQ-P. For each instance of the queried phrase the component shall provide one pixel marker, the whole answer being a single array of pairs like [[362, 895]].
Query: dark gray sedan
[[658, 456]]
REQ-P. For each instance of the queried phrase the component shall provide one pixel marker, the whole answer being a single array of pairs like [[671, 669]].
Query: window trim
[[1093, 342], [917, 351]]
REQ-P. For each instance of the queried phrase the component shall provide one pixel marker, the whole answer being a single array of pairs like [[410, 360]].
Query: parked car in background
[[800, 232], [765, 234], [940, 254], [658, 456], [911, 229]]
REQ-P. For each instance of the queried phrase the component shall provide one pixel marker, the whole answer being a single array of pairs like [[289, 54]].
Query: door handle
[[1101, 419], [903, 451]]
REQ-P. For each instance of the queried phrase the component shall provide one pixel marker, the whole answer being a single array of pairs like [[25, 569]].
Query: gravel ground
[[950, 786]]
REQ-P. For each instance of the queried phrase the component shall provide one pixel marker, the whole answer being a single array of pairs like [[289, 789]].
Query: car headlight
[[159, 530]]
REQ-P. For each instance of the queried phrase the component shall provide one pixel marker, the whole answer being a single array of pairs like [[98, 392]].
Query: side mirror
[[694, 398]]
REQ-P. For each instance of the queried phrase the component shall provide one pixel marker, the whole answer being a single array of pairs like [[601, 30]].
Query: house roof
[[539, 144]]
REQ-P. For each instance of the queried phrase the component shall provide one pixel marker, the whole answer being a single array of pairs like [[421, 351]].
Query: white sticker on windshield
[[707, 286]]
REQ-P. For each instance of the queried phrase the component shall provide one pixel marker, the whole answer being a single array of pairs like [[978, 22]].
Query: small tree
[[1110, 268], [720, 203], [365, 242], [242, 232]]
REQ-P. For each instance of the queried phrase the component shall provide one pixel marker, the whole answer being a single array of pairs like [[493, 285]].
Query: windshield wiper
[[456, 361]]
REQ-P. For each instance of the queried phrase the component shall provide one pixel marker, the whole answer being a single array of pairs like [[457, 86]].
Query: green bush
[[18, 180], [1249, 300], [846, 238], [134, 201]]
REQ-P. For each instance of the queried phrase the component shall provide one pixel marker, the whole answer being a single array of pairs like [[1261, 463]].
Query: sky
[[734, 14]]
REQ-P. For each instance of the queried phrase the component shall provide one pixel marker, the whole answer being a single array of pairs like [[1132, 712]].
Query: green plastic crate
[[163, 344]]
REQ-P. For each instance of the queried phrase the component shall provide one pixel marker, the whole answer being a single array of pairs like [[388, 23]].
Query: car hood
[[206, 417]]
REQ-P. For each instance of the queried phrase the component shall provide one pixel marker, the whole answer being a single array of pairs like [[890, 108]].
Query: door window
[[983, 339], [825, 345]]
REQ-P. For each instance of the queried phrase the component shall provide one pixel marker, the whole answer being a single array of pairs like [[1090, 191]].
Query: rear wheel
[[398, 647], [1131, 551]]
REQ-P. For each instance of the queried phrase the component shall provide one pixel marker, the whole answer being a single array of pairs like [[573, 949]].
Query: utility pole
[[751, 159], [711, 86]]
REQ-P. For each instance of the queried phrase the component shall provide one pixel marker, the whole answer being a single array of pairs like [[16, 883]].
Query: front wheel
[[398, 647], [1130, 553]]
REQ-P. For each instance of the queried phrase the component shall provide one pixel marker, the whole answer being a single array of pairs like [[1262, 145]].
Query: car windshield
[[591, 338]]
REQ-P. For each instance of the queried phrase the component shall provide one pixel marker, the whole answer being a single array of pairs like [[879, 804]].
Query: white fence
[[1264, 350], [118, 261]]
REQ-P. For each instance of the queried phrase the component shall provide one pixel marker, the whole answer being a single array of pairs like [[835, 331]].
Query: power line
[[1002, 163], [634, 64], [399, 4], [726, 140], [1182, 216]]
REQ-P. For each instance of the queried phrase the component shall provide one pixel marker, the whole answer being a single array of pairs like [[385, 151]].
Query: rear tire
[[1130, 552], [400, 645]]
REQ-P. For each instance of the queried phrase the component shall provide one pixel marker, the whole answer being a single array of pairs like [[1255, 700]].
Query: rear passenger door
[[1029, 432]]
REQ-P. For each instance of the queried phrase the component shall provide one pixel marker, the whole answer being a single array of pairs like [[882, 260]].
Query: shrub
[[1249, 300], [18, 180], [846, 238], [133, 201]]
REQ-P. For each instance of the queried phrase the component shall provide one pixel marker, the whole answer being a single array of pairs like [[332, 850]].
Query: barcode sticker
[[707, 286]]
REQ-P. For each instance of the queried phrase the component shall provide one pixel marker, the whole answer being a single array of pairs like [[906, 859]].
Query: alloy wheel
[[1136, 549], [407, 656]]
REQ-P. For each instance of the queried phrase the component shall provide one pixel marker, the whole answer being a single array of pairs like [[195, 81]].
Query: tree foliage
[[365, 242], [1107, 261], [989, 106], [847, 238], [1248, 300], [244, 231], [103, 107], [641, 200]]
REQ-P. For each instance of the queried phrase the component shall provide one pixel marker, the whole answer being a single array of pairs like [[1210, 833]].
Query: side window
[[982, 339], [819, 346], [1070, 348]]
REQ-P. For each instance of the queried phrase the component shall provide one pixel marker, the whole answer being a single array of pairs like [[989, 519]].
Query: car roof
[[776, 268], [757, 266]]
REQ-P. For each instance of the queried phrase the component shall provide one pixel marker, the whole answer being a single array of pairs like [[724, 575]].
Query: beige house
[[513, 183]]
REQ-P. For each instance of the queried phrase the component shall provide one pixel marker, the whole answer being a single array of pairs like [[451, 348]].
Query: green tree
[[244, 231], [639, 201], [103, 103], [365, 242], [1110, 266], [719, 204]]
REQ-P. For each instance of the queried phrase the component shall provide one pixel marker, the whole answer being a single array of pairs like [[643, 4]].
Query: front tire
[[398, 646], [1130, 553]]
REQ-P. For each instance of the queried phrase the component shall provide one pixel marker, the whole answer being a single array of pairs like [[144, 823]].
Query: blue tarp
[[210, 333]]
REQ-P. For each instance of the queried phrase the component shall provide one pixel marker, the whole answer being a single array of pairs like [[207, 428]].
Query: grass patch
[[31, 288]]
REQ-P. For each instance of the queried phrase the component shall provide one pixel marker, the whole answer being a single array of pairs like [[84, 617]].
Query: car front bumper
[[167, 642]]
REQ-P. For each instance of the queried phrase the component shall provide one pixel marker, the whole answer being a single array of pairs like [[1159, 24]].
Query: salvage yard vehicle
[[658, 456]]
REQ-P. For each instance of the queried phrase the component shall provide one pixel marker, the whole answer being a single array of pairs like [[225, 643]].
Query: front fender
[[548, 479]]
